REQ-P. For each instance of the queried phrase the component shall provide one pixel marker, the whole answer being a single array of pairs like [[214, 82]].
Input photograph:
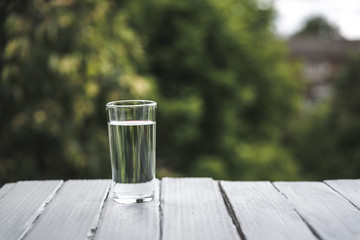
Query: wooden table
[[184, 208]]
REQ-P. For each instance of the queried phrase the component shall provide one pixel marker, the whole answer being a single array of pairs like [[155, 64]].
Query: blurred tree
[[327, 139], [226, 88], [61, 61], [319, 27]]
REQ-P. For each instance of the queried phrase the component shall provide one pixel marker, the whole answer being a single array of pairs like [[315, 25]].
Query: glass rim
[[137, 103]]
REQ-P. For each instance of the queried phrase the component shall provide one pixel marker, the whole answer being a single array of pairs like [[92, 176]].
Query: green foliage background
[[225, 89], [327, 138], [61, 62]]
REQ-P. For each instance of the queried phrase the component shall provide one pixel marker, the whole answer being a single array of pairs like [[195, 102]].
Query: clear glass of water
[[132, 137]]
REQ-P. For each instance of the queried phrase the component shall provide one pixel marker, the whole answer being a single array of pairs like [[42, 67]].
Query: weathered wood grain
[[263, 213], [22, 205], [130, 221], [74, 212], [193, 208], [5, 189], [330, 215], [350, 189]]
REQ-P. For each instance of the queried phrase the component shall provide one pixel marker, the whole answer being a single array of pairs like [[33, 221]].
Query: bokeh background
[[238, 97]]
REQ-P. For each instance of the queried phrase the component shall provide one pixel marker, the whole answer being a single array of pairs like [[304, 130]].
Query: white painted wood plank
[[5, 189], [74, 212], [330, 215], [130, 221], [193, 208], [263, 213], [350, 189], [22, 205]]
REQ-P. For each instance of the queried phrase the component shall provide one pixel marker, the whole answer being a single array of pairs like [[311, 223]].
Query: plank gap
[[341, 195], [161, 213], [282, 194], [73, 212], [43, 210], [51, 197], [193, 209], [326, 211], [26, 201], [311, 228], [231, 212], [91, 234]]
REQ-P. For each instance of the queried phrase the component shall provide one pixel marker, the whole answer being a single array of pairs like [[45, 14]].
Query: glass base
[[129, 200], [127, 193]]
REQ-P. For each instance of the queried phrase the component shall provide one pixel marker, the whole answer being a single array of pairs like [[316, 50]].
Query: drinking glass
[[132, 137]]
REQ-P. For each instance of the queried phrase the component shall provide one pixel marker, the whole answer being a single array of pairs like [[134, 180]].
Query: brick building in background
[[322, 58]]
